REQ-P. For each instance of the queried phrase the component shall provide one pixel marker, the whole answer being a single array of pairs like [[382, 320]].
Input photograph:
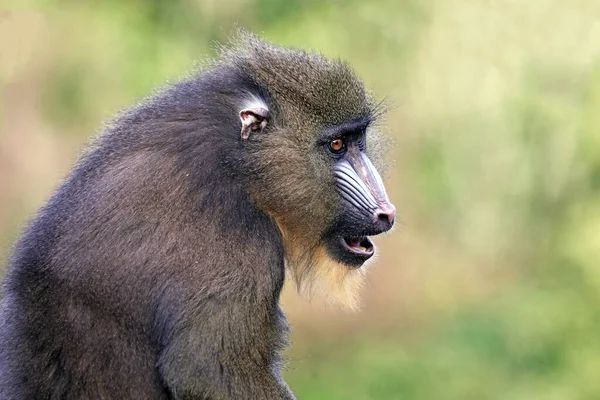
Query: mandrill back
[[151, 234]]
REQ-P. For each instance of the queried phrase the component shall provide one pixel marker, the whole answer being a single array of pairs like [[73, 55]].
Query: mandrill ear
[[254, 120]]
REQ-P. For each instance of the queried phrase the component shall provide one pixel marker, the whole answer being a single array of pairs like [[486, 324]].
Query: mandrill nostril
[[386, 213], [385, 218]]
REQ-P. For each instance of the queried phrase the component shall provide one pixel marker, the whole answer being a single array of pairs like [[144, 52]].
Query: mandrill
[[155, 270]]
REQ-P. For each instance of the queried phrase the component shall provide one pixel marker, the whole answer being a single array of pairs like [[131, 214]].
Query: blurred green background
[[489, 286]]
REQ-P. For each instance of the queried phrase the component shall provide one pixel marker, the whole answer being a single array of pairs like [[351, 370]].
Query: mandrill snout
[[385, 214]]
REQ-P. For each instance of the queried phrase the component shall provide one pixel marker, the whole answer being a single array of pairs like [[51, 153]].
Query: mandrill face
[[324, 190], [364, 208]]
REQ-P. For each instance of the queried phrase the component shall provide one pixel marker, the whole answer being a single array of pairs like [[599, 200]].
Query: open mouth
[[359, 246]]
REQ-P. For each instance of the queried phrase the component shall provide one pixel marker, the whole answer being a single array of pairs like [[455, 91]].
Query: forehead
[[306, 83], [337, 96], [330, 99]]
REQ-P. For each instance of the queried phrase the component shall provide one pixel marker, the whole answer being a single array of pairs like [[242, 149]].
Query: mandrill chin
[[155, 270]]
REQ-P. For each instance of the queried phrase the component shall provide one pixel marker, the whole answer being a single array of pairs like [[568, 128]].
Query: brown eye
[[337, 145]]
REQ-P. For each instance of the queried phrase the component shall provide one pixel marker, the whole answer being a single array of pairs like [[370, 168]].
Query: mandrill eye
[[337, 146]]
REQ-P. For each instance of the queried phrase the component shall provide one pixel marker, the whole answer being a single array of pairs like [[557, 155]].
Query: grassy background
[[489, 287]]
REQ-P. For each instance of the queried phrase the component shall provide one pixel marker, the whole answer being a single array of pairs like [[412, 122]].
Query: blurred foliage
[[489, 287]]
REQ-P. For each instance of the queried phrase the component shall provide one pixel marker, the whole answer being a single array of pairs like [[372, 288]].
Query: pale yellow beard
[[318, 275], [336, 282]]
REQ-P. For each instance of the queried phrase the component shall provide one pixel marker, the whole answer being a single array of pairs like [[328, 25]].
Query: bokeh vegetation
[[488, 288]]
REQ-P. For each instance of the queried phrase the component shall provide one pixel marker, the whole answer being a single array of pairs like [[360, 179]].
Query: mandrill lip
[[360, 246]]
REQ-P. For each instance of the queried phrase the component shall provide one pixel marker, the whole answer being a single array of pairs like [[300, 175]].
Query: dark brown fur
[[155, 270]]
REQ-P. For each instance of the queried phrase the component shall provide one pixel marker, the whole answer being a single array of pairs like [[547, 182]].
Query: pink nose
[[386, 213]]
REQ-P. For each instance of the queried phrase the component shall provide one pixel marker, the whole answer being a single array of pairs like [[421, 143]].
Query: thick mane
[[144, 233]]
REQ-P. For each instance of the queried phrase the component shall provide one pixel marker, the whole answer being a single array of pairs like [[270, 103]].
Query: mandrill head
[[310, 132]]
